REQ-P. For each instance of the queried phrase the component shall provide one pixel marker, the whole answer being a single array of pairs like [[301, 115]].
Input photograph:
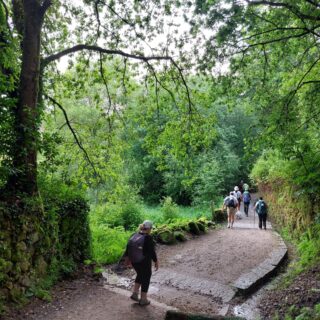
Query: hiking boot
[[144, 302], [134, 296]]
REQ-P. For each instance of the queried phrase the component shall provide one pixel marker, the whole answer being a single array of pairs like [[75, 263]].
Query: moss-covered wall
[[35, 241], [289, 207]]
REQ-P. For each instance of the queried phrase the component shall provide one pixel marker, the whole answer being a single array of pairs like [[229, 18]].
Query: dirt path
[[195, 276]]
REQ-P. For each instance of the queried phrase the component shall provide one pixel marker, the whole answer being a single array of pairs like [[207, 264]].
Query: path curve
[[201, 275]]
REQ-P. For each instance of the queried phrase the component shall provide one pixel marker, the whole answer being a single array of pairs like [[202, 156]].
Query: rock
[[9, 285], [41, 266], [219, 215], [21, 246], [178, 315], [179, 236], [194, 229], [25, 281], [24, 265], [166, 237], [201, 226], [34, 237]]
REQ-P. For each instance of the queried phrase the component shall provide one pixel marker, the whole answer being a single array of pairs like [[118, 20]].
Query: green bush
[[169, 209], [108, 245], [74, 232], [108, 215], [131, 216], [309, 246], [127, 215]]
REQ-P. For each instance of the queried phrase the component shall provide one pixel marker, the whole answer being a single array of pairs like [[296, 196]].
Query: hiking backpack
[[246, 197], [231, 203], [135, 247], [262, 207]]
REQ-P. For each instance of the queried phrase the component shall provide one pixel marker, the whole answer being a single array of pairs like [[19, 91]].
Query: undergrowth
[[112, 224]]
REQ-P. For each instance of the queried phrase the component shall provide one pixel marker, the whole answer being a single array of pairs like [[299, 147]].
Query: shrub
[[108, 245], [127, 215], [131, 216], [169, 209]]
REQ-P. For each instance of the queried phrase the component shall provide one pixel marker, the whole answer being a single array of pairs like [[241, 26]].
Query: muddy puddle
[[113, 279]]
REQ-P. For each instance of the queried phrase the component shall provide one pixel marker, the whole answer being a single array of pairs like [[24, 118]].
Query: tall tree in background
[[273, 50]]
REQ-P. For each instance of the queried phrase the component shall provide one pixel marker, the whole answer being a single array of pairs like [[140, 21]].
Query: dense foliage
[[160, 103]]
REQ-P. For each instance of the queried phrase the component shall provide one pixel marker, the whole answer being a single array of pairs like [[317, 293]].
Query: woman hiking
[[140, 252]]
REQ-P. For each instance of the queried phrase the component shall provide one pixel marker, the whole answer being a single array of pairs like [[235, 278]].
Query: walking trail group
[[200, 276]]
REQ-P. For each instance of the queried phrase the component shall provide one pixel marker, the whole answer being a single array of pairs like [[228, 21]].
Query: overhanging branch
[[73, 132], [81, 47], [285, 5], [146, 59]]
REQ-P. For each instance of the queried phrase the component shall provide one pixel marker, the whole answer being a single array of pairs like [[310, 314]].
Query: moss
[[194, 229], [166, 237], [219, 216], [39, 243], [201, 226], [43, 295], [180, 236], [211, 224]]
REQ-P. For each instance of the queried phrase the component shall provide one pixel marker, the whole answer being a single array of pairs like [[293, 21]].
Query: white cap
[[147, 224]]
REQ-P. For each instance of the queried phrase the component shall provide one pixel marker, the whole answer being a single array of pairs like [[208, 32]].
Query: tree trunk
[[27, 120]]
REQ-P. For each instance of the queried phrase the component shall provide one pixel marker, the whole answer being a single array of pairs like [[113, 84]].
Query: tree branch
[[73, 132], [317, 5], [81, 47], [293, 9], [280, 29], [146, 59], [273, 41], [302, 83], [96, 9], [45, 6]]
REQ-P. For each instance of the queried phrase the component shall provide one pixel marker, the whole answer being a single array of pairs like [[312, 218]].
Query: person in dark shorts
[[246, 197], [262, 210], [140, 252]]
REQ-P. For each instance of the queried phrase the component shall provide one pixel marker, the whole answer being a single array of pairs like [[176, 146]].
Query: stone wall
[[288, 206], [29, 243]]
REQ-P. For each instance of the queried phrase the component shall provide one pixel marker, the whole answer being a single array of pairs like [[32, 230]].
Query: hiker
[[241, 188], [262, 210], [140, 252], [238, 195], [245, 187], [246, 197], [230, 203]]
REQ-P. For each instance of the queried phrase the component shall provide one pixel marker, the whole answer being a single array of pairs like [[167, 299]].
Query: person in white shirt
[[238, 195], [230, 203]]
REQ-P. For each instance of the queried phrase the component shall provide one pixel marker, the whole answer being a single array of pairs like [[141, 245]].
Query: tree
[[50, 30]]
